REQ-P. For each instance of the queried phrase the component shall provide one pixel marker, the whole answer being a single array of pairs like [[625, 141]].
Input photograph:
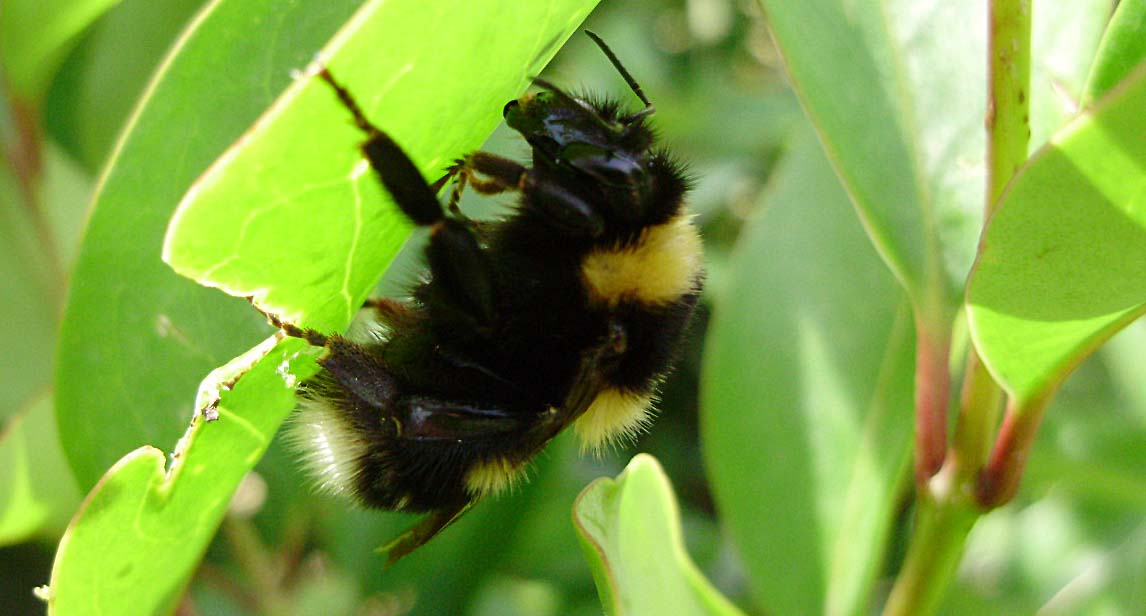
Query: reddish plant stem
[[24, 151], [25, 157], [949, 503], [1000, 478], [932, 390]]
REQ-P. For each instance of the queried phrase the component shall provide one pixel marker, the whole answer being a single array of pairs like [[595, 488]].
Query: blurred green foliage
[[1073, 542]]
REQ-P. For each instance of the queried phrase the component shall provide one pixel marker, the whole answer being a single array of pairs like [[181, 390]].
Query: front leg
[[461, 287], [490, 174], [463, 280]]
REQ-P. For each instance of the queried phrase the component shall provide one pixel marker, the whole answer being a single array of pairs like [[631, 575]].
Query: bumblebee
[[568, 311]]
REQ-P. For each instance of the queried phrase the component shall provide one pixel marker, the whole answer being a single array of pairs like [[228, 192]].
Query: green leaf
[[1062, 264], [35, 34], [125, 372], [27, 323], [96, 88], [135, 542], [899, 104], [806, 395], [312, 233], [65, 192], [1122, 49], [136, 337], [37, 492], [629, 529]]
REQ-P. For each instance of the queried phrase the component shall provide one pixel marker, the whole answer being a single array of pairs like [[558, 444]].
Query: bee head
[[596, 146], [578, 136]]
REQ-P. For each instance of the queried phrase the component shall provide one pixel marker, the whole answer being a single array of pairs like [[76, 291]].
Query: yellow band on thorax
[[660, 267]]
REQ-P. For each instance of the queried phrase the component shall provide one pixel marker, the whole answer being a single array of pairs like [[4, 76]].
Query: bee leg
[[429, 419], [455, 170], [394, 168], [463, 283], [313, 336], [389, 312], [490, 174], [356, 369], [451, 172], [360, 372], [500, 174], [454, 253], [562, 208], [427, 528], [385, 308]]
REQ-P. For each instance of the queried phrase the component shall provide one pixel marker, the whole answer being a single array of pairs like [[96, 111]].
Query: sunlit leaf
[[136, 337], [136, 540], [630, 532], [1063, 261], [292, 214]]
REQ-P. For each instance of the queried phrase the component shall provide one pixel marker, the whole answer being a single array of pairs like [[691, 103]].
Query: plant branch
[[1008, 96], [24, 155], [937, 541], [1008, 139], [254, 558], [951, 502]]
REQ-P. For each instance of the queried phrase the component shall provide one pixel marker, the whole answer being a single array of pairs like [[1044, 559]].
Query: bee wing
[[586, 386]]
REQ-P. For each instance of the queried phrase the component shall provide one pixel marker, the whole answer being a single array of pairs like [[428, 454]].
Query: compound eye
[[508, 107]]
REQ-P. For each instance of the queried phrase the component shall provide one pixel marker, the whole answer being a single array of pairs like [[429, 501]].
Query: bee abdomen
[[330, 447], [414, 455]]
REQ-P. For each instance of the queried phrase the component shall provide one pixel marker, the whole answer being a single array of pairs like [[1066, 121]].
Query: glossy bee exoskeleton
[[566, 312]]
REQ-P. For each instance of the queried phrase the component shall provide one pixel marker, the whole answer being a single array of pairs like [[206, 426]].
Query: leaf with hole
[[137, 337]]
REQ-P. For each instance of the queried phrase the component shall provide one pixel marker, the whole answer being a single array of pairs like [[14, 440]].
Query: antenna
[[636, 87]]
